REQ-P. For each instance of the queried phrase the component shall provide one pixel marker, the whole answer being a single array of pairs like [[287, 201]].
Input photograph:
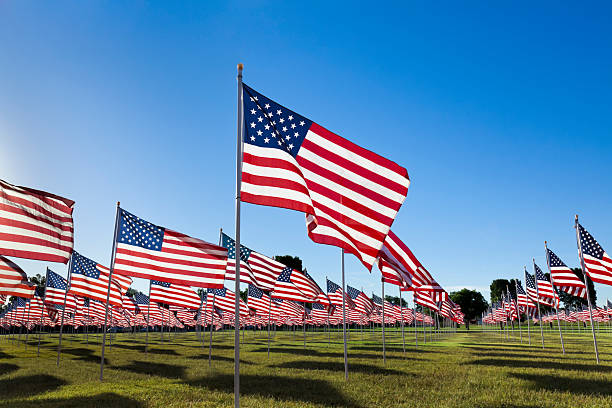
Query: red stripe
[[276, 202], [38, 256], [21, 202], [23, 239], [277, 182]]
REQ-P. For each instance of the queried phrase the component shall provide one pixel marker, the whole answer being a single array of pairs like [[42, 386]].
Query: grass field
[[466, 369]]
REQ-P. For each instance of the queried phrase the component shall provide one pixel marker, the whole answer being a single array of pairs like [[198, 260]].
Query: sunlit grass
[[475, 368]]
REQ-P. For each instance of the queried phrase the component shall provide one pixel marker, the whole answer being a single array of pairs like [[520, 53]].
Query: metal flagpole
[[239, 142], [42, 310], [59, 346], [304, 324], [416, 339], [344, 320], [212, 316], [538, 302], [518, 311], [552, 281], [199, 317], [584, 276], [203, 319], [269, 313], [110, 277], [402, 314], [148, 320], [382, 284]]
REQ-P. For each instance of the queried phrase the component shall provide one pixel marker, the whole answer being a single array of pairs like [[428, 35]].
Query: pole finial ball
[[240, 66], [118, 204]]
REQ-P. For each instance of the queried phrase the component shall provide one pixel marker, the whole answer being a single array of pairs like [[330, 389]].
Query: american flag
[[544, 286], [334, 293], [294, 285], [148, 251], [90, 279], [425, 299], [564, 278], [319, 311], [172, 294], [258, 300], [56, 291], [288, 308], [129, 304], [532, 292], [521, 297], [349, 194], [362, 302], [225, 300], [395, 255], [256, 269], [35, 224], [597, 262], [13, 280]]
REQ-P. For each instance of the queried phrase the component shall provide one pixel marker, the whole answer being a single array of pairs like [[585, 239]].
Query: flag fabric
[[90, 279], [148, 251], [349, 194], [258, 300], [294, 285], [521, 297], [424, 299], [55, 292], [225, 300], [565, 279], [545, 288], [256, 269], [176, 295], [532, 291], [597, 262], [334, 293], [13, 280], [362, 302], [35, 224]]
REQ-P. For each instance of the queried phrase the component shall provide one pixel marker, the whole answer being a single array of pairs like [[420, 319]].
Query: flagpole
[[518, 310], [42, 311], [538, 303], [586, 284], [148, 320], [416, 337], [239, 142], [552, 282], [110, 278], [59, 346], [402, 314], [344, 320], [199, 317], [382, 284], [269, 313]]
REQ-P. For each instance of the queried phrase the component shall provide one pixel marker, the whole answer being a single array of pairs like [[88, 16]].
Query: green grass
[[467, 369]]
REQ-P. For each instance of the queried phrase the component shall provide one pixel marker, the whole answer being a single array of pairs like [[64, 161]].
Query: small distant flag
[[55, 291], [35, 224], [349, 194], [90, 279], [565, 279], [363, 304], [294, 285], [173, 294], [145, 250]]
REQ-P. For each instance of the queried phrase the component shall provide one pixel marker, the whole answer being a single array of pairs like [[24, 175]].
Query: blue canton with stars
[[255, 292], [377, 299], [539, 274], [55, 281], [352, 292], [589, 245], [159, 283], [230, 245], [138, 232], [141, 299], [554, 260], [318, 306], [84, 266], [530, 281], [218, 292], [285, 275], [269, 124], [519, 289], [332, 287]]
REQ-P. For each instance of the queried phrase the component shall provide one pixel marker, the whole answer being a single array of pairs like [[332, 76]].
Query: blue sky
[[502, 116]]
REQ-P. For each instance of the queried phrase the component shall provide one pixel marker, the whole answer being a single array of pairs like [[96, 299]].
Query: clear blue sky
[[502, 116]]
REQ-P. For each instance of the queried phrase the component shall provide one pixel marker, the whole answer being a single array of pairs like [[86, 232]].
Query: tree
[[294, 262], [39, 280], [472, 304], [497, 287], [395, 300], [131, 292], [575, 301]]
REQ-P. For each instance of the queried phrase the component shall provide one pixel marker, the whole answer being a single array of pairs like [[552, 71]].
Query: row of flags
[[504, 310]]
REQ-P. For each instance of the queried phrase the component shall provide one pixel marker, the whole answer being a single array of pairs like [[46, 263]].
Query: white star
[[284, 128], [260, 119], [279, 142], [281, 120], [266, 140], [253, 111], [290, 117], [252, 125], [278, 112], [291, 146], [267, 106], [252, 138], [302, 123], [259, 133], [287, 137], [293, 126], [296, 134], [267, 127]]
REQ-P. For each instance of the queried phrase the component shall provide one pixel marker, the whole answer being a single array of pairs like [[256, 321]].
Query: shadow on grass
[[287, 350], [141, 348], [4, 355], [83, 354], [564, 384], [531, 349], [6, 368], [282, 388], [110, 400], [409, 349], [156, 369], [218, 358], [29, 385], [339, 366], [550, 365]]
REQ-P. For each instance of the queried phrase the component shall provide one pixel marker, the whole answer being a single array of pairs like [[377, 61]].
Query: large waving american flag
[[597, 262], [349, 194], [225, 299], [564, 278], [145, 250], [90, 279], [294, 285], [544, 286], [362, 302], [35, 224], [334, 293], [14, 281], [532, 291], [256, 269], [172, 294], [258, 300]]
